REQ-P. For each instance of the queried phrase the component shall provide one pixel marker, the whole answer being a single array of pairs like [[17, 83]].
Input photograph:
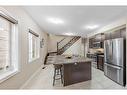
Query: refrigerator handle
[[116, 67], [112, 51]]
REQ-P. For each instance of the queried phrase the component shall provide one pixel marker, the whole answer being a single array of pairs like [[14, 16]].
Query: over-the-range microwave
[[98, 45]]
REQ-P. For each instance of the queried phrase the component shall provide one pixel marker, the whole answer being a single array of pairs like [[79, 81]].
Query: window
[[8, 46], [33, 46]]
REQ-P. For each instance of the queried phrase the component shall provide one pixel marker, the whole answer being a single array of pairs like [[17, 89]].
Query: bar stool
[[57, 72]]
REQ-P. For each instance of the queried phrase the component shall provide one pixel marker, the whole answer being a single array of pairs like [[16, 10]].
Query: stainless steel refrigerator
[[115, 60]]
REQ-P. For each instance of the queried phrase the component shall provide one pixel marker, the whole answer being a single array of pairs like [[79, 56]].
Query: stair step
[[50, 60]]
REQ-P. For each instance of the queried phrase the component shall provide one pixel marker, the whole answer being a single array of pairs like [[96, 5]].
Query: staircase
[[61, 50], [62, 46]]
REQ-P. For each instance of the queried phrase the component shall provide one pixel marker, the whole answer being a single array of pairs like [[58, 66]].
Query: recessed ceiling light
[[69, 34], [55, 20], [92, 26]]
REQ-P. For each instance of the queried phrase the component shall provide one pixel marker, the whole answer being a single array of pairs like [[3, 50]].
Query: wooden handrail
[[59, 43], [61, 40], [57, 48], [68, 44]]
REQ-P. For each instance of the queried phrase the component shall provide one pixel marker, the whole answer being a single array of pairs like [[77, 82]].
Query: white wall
[[26, 70], [52, 41], [76, 49], [110, 26], [86, 46]]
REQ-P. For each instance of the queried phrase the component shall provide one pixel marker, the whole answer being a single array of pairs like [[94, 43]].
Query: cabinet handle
[[75, 63]]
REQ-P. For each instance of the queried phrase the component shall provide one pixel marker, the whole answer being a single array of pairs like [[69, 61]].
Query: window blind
[[33, 45], [8, 17], [5, 28]]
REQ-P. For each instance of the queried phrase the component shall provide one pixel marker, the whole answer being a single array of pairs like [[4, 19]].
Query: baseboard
[[53, 52], [32, 76]]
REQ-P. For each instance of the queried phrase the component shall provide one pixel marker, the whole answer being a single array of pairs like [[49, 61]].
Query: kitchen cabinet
[[123, 33], [107, 35], [102, 37], [100, 62], [98, 38], [115, 34], [120, 33], [96, 41], [91, 40], [76, 72]]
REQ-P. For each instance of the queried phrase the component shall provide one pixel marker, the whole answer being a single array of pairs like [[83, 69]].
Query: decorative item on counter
[[68, 56], [76, 55]]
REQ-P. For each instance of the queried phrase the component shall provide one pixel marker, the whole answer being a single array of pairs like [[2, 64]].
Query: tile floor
[[44, 81]]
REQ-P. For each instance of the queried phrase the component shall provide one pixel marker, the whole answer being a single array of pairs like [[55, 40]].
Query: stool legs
[[57, 72], [61, 76], [54, 77]]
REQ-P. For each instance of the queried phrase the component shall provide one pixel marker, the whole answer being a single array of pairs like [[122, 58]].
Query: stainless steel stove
[[94, 57]]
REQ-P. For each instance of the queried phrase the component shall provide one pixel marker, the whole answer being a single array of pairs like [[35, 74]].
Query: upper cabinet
[[97, 41], [120, 33], [115, 34], [91, 40], [98, 38], [123, 33], [107, 35]]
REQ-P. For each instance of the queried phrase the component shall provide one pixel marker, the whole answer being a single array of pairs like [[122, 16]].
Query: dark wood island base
[[76, 72], [75, 69]]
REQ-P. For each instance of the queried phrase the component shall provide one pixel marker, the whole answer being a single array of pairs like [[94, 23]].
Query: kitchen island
[[75, 69]]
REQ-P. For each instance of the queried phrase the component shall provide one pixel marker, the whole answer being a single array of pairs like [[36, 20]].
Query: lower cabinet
[[76, 72], [100, 63]]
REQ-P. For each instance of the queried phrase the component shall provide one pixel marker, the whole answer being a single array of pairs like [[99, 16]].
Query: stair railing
[[59, 43], [63, 42]]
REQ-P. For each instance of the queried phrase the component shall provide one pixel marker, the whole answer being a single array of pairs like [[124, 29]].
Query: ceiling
[[74, 20]]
